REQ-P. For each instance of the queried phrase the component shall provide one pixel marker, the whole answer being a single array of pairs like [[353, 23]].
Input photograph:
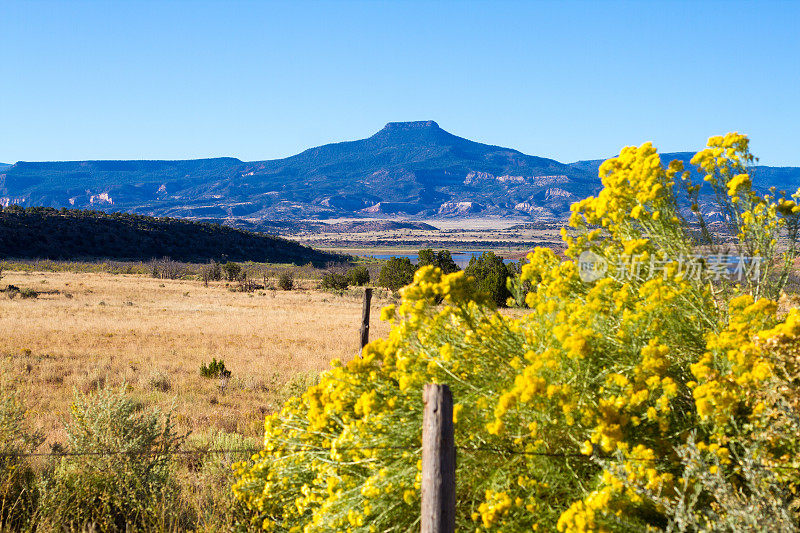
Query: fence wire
[[499, 451]]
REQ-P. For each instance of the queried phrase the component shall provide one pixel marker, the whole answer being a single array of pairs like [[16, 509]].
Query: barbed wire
[[126, 452], [285, 449], [292, 449], [500, 451], [301, 448]]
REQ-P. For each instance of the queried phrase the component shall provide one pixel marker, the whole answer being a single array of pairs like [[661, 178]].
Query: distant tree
[[216, 271], [490, 273], [358, 275], [333, 280], [441, 259], [232, 271], [166, 268], [286, 280], [211, 272], [266, 274], [397, 272]]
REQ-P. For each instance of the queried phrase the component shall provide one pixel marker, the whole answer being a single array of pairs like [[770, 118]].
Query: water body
[[460, 258]]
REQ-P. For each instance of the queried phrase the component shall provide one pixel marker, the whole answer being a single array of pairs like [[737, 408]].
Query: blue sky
[[261, 80]]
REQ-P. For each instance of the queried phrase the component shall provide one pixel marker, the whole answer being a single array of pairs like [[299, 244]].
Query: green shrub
[[441, 259], [334, 281], [209, 475], [299, 382], [396, 273], [232, 271], [286, 280], [211, 272], [490, 273], [358, 275], [28, 293], [18, 492], [118, 474], [216, 271], [753, 500], [215, 369], [159, 381]]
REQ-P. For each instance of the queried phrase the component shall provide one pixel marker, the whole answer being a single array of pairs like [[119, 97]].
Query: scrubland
[[89, 330]]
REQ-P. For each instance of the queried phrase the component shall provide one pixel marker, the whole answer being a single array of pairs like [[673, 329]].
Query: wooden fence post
[[438, 461], [365, 318]]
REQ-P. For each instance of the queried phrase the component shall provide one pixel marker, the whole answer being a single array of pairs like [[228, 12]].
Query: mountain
[[783, 178], [4, 166], [136, 185], [407, 169]]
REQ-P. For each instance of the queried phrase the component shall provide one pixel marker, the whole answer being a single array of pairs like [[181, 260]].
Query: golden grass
[[154, 334]]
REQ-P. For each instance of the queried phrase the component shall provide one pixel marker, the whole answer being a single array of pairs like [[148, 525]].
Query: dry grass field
[[154, 334]]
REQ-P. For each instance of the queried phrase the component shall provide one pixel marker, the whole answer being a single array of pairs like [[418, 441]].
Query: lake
[[460, 258]]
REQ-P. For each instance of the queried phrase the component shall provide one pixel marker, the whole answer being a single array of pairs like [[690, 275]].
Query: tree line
[[493, 276], [45, 232]]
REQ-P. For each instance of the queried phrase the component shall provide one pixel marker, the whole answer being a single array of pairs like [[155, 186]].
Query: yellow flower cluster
[[758, 222], [732, 364], [493, 508], [724, 156], [634, 185]]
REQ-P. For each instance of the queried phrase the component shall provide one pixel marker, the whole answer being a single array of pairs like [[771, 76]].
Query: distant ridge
[[785, 178], [405, 170]]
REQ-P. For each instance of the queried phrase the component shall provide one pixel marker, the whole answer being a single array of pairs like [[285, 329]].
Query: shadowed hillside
[[46, 233]]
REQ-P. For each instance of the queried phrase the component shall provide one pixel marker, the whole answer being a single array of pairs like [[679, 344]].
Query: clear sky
[[261, 80]]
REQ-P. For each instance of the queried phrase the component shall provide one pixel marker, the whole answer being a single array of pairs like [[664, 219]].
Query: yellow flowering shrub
[[570, 417]]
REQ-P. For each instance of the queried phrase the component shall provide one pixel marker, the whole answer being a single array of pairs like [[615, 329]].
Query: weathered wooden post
[[365, 318], [438, 461]]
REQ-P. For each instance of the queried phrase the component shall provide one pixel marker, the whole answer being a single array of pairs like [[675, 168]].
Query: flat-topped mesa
[[408, 126], [426, 131]]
